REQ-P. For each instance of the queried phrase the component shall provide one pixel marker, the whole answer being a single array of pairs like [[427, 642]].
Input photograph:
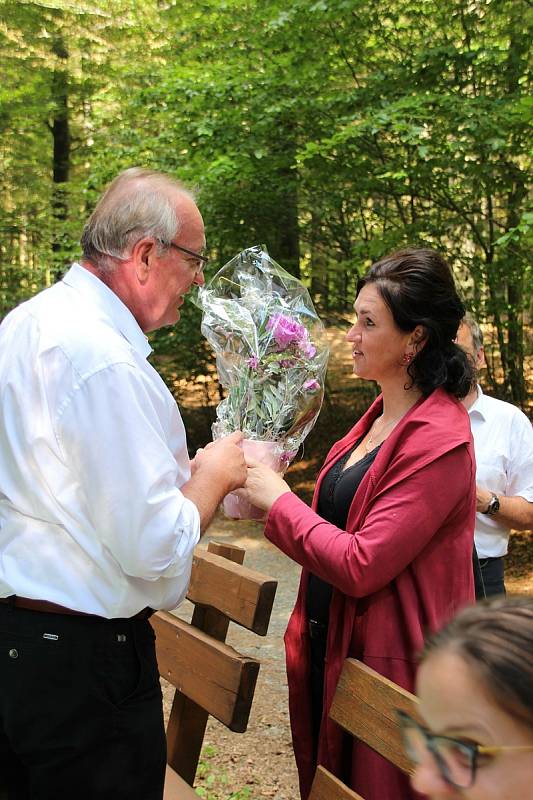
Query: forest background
[[332, 131]]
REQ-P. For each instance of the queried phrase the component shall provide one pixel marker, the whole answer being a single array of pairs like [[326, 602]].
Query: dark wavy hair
[[418, 287], [495, 638]]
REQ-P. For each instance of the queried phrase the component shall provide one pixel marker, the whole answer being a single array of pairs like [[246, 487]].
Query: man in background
[[99, 511], [503, 443]]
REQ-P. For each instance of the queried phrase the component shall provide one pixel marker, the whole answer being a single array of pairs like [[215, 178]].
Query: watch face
[[494, 506]]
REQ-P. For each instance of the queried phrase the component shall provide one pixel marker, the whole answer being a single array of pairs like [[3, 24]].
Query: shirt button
[[13, 653]]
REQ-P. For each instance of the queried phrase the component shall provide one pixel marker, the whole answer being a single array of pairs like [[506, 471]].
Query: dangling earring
[[407, 358]]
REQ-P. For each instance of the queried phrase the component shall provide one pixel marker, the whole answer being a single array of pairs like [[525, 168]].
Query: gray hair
[[137, 203], [475, 330]]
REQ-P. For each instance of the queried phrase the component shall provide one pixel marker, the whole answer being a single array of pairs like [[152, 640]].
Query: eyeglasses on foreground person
[[455, 759]]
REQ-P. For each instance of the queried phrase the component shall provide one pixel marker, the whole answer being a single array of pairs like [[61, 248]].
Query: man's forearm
[[206, 494], [216, 470], [514, 512]]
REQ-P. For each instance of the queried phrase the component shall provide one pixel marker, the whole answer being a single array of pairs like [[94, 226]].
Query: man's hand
[[216, 470], [515, 512], [224, 460], [483, 498]]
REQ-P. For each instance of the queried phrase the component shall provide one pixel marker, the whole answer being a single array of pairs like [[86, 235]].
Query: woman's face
[[454, 702], [378, 345]]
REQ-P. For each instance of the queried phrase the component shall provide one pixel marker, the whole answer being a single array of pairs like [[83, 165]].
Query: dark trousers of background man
[[488, 576], [492, 571], [80, 708]]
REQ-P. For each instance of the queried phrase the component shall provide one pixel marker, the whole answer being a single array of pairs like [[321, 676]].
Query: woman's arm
[[399, 524]]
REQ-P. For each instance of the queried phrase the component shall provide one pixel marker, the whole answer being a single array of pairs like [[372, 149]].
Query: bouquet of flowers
[[271, 356]]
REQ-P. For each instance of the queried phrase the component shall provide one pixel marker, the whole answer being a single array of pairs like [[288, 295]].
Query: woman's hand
[[263, 486]]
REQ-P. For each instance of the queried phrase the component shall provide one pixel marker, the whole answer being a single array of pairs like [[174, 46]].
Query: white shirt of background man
[[503, 443]]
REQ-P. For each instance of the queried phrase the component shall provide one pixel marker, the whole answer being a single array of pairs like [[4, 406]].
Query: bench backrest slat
[[209, 672], [241, 594], [365, 704], [327, 787], [210, 677]]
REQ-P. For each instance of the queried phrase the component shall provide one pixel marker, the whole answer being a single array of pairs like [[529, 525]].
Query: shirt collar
[[110, 304], [479, 404]]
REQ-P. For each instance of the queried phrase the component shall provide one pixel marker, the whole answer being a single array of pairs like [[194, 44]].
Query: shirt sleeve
[[113, 435], [520, 467], [400, 524]]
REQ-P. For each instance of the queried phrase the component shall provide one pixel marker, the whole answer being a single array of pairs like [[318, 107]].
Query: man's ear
[[142, 255], [480, 361]]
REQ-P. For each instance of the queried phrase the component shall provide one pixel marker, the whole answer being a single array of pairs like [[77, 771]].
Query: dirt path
[[259, 763]]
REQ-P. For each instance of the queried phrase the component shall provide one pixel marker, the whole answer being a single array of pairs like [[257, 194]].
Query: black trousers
[[80, 708], [318, 636], [478, 577], [492, 571]]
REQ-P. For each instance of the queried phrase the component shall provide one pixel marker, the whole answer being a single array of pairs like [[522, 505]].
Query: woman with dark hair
[[476, 694], [386, 548]]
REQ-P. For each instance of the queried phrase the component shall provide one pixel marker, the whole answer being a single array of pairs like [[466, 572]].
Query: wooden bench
[[364, 705], [210, 677]]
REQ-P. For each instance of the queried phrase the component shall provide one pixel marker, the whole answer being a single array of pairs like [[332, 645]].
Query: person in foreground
[[387, 545], [475, 686], [99, 512]]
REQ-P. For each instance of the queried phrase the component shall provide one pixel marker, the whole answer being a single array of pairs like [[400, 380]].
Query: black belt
[[54, 608]]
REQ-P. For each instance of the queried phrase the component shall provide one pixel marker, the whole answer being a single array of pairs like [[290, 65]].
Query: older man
[[99, 512], [503, 443]]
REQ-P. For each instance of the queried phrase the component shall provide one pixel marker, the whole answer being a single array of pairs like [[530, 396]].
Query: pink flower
[[285, 330], [311, 385], [307, 349], [253, 362], [286, 457]]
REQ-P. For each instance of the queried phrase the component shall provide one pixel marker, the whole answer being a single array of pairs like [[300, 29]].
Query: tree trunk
[[515, 68], [61, 141], [515, 299], [319, 266]]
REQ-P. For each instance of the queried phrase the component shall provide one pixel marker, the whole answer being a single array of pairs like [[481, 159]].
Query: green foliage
[[180, 349], [214, 784], [329, 130]]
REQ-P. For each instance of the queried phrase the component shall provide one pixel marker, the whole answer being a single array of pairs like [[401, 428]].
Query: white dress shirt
[[503, 443], [92, 455]]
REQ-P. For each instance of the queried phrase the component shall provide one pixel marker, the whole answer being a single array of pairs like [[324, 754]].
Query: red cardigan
[[400, 570]]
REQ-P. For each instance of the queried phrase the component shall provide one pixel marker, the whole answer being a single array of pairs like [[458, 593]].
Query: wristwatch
[[493, 506]]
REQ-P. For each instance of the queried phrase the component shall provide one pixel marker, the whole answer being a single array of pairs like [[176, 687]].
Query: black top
[[335, 498]]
